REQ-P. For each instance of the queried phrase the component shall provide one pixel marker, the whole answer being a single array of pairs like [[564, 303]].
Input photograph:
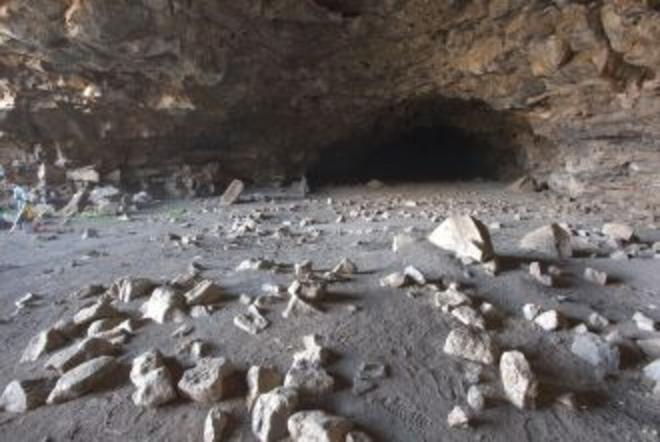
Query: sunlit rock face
[[264, 89]]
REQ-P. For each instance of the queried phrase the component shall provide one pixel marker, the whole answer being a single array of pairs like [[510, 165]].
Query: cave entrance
[[417, 154]]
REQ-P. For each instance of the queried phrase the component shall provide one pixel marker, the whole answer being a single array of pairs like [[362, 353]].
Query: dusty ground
[[404, 333]]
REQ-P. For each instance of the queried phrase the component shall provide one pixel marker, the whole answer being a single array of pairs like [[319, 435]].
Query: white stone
[[551, 240], [154, 388], [25, 395], [318, 426], [451, 298], [271, 412], [394, 280], [165, 305], [458, 417], [597, 321], [210, 380], [469, 316], [129, 289], [415, 274], [472, 345], [82, 379], [205, 292], [519, 382], [261, 380], [475, 398], [216, 425], [548, 321], [604, 356], [652, 371], [345, 267], [643, 322], [465, 236], [595, 276], [100, 310], [89, 348], [537, 273], [618, 231], [401, 241], [46, 341], [309, 380], [531, 311], [232, 193], [252, 322], [314, 352], [298, 307]]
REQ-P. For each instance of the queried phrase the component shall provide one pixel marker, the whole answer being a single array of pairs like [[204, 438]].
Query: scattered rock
[[252, 322], [164, 305], [318, 426], [345, 267], [232, 193], [472, 345], [82, 379], [216, 425], [309, 380], [298, 307], [314, 353], [458, 418], [271, 412], [395, 280], [451, 298], [152, 379], [46, 341], [548, 321], [595, 276], [525, 184], [476, 398], [87, 349], [25, 395], [531, 311], [261, 380], [551, 240], [129, 289], [537, 273], [603, 355], [466, 236], [597, 321], [469, 316], [643, 322], [205, 292], [618, 232], [100, 310], [650, 347], [401, 241], [208, 381], [415, 274], [652, 371], [518, 380]]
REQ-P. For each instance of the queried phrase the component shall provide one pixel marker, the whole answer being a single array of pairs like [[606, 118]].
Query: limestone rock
[[472, 345], [518, 380], [345, 267], [82, 379], [232, 193], [618, 231], [298, 307], [44, 342], [601, 354], [309, 380], [458, 417], [314, 353], [652, 371], [643, 322], [476, 398], [164, 305], [551, 240], [415, 274], [401, 241], [129, 289], [357, 436], [466, 236], [102, 309], [261, 380], [210, 380], [205, 292], [537, 273], [548, 321], [451, 298], [318, 426], [252, 322], [531, 311], [469, 316], [650, 347], [271, 412], [24, 395], [595, 276], [88, 348], [216, 425], [152, 379], [395, 280]]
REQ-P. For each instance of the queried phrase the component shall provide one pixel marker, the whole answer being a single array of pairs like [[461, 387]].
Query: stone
[[252, 322], [524, 184], [87, 349], [394, 280], [102, 309], [402, 241], [465, 236], [308, 290], [451, 298], [155, 388], [650, 347], [298, 307], [314, 353], [548, 321], [216, 425], [165, 305], [531, 311], [476, 398], [318, 426], [652, 371], [232, 193], [643, 322], [309, 380], [76, 204], [597, 321], [357, 436], [458, 417], [20, 396], [472, 345], [129, 289], [103, 325], [271, 412], [469, 316], [83, 379], [205, 292], [551, 240], [537, 273], [519, 382], [261, 380], [345, 267], [595, 276], [618, 231], [46, 341], [87, 174], [415, 274], [210, 380], [599, 353]]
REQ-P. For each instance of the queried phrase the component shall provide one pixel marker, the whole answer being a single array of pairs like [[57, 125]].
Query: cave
[[329, 220]]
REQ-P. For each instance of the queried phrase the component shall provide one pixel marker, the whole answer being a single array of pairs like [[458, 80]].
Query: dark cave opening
[[417, 154]]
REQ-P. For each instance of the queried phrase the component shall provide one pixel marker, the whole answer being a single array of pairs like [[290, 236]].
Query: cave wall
[[261, 88]]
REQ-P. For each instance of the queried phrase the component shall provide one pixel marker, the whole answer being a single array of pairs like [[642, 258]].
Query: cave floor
[[404, 333]]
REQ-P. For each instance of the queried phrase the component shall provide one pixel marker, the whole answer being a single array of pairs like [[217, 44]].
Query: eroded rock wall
[[259, 88]]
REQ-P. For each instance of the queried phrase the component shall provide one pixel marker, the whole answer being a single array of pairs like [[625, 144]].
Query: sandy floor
[[407, 334]]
